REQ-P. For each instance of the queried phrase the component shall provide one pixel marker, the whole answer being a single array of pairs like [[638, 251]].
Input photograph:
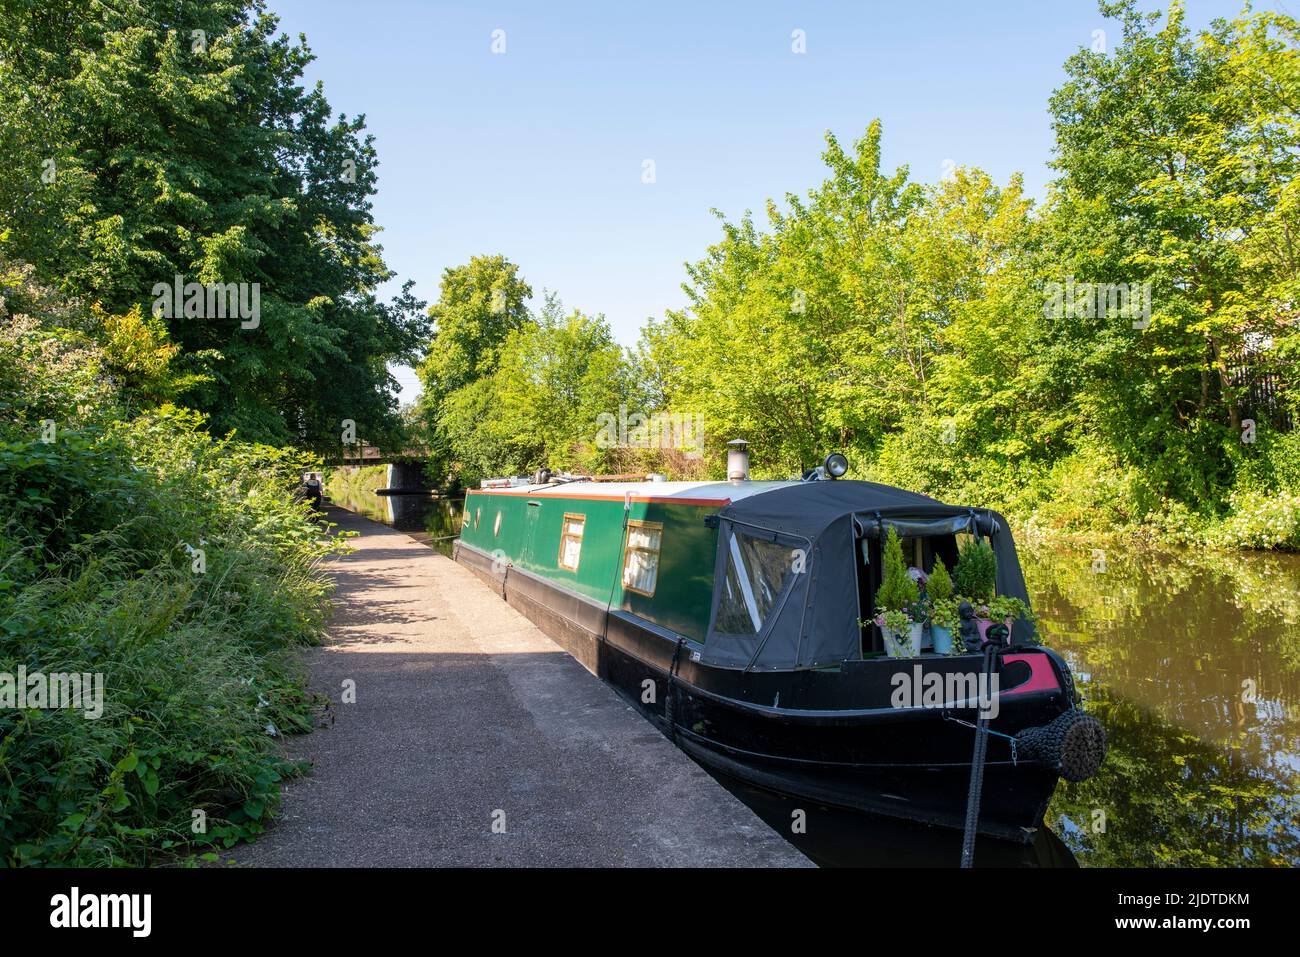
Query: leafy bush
[[1259, 520], [976, 571], [180, 567]]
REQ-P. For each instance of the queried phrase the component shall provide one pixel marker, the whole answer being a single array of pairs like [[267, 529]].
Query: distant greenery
[[346, 485], [507, 392], [958, 340], [181, 567]]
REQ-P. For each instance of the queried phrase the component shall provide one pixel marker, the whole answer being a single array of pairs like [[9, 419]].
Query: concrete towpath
[[466, 715]]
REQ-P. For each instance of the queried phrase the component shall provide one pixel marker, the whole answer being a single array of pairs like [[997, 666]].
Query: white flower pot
[[903, 646]]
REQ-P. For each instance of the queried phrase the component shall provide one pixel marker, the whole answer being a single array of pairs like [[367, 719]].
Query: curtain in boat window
[[571, 541], [757, 573], [641, 557]]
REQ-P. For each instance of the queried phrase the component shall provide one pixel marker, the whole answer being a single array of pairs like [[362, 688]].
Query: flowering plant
[[899, 622]]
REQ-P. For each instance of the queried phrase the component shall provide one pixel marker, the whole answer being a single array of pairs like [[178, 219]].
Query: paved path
[[464, 708]]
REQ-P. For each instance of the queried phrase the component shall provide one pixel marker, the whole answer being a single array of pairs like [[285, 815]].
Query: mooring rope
[[977, 768]]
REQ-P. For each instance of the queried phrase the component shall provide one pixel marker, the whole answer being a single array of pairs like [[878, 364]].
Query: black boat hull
[[808, 734]]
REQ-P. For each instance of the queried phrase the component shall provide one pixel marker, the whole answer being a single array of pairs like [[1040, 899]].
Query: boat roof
[[809, 508], [682, 493]]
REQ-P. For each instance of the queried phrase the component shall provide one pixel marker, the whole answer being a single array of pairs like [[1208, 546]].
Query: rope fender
[[1073, 744]]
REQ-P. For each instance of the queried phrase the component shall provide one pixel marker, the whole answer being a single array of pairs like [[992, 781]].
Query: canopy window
[[757, 574]]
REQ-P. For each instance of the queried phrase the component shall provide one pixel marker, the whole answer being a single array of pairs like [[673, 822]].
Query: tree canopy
[[144, 141], [1122, 355]]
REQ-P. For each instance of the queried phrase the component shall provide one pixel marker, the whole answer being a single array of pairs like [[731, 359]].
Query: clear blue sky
[[537, 153]]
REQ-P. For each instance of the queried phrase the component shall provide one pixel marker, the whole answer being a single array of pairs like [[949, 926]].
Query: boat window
[[757, 574], [478, 513], [641, 557], [571, 540], [496, 526]]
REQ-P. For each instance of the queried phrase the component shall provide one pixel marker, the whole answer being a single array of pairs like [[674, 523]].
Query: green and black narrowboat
[[737, 616]]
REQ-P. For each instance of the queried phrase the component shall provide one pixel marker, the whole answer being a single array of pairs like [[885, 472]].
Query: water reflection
[[429, 519], [1190, 660]]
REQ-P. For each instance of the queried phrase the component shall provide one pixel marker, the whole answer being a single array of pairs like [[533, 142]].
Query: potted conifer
[[943, 609], [897, 604]]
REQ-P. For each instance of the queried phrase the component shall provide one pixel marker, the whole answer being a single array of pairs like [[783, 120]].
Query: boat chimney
[[737, 461]]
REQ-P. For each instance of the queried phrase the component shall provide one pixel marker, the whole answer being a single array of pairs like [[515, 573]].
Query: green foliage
[[1178, 156], [976, 571], [914, 326], [1002, 607], [943, 612], [536, 401], [480, 305], [897, 592], [141, 360], [98, 575], [1259, 520], [133, 153], [899, 622]]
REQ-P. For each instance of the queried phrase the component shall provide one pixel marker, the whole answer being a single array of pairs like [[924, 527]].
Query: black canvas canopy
[[811, 619]]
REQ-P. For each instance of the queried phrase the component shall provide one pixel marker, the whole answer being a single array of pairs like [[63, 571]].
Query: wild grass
[[184, 570]]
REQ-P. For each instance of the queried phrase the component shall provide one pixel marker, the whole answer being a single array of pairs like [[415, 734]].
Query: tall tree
[[1178, 153], [143, 140], [541, 405], [480, 304]]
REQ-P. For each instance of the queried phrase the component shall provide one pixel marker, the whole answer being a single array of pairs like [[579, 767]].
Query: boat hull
[[827, 736]]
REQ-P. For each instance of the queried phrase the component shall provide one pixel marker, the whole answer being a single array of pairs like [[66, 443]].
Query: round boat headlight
[[836, 464]]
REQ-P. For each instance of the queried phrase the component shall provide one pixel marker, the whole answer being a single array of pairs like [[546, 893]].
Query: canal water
[[1190, 660]]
